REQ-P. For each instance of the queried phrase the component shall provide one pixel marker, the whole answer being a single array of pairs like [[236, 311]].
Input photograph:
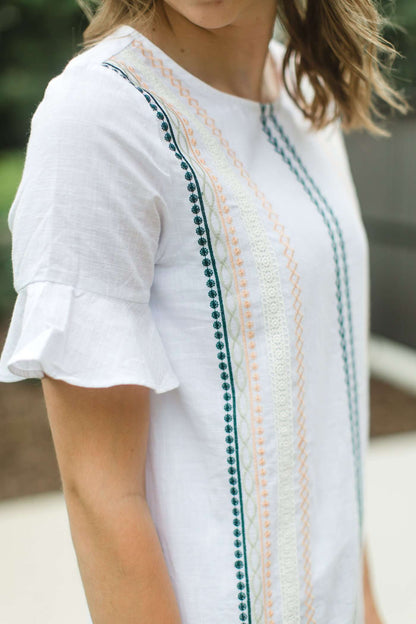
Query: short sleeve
[[86, 226]]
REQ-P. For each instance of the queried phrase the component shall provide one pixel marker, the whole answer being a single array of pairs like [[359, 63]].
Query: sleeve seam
[[88, 291]]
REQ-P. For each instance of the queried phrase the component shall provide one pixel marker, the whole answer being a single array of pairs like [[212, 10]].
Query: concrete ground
[[390, 525], [40, 581]]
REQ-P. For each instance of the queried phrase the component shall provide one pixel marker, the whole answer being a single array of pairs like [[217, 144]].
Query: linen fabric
[[209, 247]]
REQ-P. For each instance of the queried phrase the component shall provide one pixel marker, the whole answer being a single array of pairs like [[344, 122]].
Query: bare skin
[[372, 615], [222, 42], [100, 439]]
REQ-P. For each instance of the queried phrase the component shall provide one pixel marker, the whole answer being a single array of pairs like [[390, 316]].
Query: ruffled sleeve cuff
[[85, 339]]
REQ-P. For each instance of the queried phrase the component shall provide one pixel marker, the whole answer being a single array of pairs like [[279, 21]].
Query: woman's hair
[[336, 45]]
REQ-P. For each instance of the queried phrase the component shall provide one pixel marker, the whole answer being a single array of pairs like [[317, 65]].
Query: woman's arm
[[100, 439], [371, 612]]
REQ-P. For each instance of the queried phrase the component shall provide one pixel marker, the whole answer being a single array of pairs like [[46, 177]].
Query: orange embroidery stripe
[[251, 364], [297, 306]]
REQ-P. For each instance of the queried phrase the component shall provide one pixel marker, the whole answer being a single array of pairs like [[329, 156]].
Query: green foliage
[[7, 292], [38, 37], [403, 36], [11, 166]]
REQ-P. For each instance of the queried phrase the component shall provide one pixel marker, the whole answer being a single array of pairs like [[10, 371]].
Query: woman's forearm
[[121, 562], [371, 611]]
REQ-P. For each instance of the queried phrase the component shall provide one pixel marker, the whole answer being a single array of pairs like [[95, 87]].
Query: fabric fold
[[85, 339]]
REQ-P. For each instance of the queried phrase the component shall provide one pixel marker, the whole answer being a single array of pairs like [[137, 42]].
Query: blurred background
[[37, 38]]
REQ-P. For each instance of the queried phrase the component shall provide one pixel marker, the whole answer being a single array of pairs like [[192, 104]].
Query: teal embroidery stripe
[[227, 381], [308, 183]]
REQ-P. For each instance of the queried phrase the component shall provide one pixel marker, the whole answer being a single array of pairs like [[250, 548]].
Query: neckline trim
[[221, 97]]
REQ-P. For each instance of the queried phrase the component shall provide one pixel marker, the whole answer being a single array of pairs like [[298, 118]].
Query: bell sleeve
[[86, 227]]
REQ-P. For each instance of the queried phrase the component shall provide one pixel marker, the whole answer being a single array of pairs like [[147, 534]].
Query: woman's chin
[[208, 14]]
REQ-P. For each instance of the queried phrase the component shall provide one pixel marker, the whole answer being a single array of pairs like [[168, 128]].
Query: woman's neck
[[225, 46]]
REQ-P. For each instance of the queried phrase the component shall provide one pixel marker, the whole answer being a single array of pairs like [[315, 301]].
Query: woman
[[192, 278]]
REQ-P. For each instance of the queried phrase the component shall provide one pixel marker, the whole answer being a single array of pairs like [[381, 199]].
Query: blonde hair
[[336, 45]]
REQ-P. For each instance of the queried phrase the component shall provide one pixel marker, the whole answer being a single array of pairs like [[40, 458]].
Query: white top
[[169, 234]]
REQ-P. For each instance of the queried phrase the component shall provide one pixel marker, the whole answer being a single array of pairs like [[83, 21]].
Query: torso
[[260, 295]]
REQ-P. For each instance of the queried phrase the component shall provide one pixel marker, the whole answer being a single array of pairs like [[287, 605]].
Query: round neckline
[[217, 94]]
